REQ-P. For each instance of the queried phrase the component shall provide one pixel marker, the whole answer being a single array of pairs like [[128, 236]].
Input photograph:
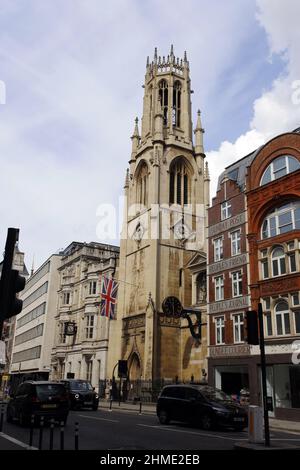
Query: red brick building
[[260, 196], [273, 200], [228, 291]]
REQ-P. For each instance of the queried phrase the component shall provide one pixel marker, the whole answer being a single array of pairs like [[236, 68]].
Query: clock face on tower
[[172, 307]]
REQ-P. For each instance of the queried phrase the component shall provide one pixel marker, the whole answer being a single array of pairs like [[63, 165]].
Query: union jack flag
[[108, 298]]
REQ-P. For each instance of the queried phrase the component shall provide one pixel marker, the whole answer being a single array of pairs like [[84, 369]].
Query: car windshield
[[84, 386], [54, 390], [215, 394]]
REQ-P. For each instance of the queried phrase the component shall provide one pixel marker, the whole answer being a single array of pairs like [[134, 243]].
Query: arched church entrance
[[134, 376]]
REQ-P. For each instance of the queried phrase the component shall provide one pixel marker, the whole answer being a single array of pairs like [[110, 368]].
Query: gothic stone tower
[[166, 175]]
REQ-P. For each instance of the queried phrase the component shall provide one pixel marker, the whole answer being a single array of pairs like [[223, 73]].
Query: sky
[[73, 72]]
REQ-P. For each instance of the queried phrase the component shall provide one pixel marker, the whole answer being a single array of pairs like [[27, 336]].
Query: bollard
[[41, 433], [31, 430], [62, 435], [51, 434], [76, 436], [140, 407], [1, 417], [110, 405]]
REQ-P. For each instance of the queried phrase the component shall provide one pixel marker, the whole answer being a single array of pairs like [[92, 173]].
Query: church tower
[[166, 197]]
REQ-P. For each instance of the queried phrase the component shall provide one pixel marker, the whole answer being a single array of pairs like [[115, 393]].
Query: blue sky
[[74, 70]]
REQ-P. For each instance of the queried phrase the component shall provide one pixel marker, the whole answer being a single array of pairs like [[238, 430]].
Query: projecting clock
[[172, 307]]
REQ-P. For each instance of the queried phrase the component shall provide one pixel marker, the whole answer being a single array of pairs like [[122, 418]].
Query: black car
[[81, 394], [38, 398], [201, 404]]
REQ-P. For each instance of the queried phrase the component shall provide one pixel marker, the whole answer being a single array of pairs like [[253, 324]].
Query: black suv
[[81, 394], [201, 404], [48, 399]]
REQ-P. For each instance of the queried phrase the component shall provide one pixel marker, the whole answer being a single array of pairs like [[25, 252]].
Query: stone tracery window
[[176, 104], [142, 185], [179, 183], [163, 93]]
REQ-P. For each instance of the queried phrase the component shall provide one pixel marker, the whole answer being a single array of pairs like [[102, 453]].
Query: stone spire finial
[[155, 55], [136, 128], [172, 51], [199, 123], [126, 185], [185, 56], [147, 63], [199, 131]]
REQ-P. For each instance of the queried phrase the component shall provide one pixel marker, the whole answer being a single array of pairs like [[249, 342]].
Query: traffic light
[[11, 282], [251, 333]]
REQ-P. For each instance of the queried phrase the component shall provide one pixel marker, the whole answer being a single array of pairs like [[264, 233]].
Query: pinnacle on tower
[[172, 51], [199, 131], [136, 128], [199, 123]]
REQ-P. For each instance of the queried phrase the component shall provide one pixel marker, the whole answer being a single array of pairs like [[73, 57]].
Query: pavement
[[123, 429], [150, 408]]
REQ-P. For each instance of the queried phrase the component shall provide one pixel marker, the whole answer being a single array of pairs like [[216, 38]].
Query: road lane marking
[[192, 432], [101, 419], [16, 441]]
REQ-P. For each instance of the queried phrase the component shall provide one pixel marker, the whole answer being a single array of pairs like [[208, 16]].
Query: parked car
[[81, 394], [201, 404], [38, 398]]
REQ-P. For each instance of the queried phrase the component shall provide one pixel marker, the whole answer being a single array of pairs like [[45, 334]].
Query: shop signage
[[227, 224], [227, 305], [230, 263], [234, 350]]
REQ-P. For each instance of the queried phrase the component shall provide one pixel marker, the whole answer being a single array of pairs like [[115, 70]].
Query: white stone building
[[83, 354], [34, 331]]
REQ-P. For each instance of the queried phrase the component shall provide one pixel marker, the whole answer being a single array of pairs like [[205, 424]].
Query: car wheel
[[207, 422], [163, 417]]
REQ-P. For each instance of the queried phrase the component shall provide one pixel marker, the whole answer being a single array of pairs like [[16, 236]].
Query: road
[[127, 430]]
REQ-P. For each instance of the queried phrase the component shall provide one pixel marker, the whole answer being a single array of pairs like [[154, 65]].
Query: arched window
[[278, 261], [142, 185], [282, 219], [201, 288], [280, 166], [282, 315], [164, 99], [176, 104], [179, 183]]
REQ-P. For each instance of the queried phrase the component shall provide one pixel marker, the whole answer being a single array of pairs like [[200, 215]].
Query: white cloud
[[274, 111], [74, 71]]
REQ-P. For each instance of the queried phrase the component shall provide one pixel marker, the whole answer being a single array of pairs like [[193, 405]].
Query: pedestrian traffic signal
[[11, 282], [251, 333]]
